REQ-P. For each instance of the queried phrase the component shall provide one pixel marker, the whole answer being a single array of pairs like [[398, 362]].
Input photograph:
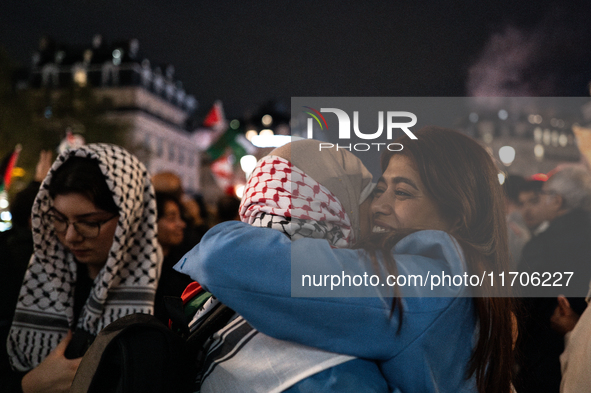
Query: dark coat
[[564, 247]]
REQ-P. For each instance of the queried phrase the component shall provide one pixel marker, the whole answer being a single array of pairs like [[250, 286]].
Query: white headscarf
[[125, 285]]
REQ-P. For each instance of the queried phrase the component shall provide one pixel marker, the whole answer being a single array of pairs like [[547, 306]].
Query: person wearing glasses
[[96, 259]]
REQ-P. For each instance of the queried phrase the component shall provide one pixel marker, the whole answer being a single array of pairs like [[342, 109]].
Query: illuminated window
[[80, 77]]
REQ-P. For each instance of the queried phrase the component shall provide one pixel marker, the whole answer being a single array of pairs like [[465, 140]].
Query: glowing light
[[271, 140], [507, 155], [80, 78], [4, 226], [473, 117], [547, 137], [18, 172], [87, 56], [503, 114], [501, 178], [488, 138], [539, 151], [247, 163], [534, 119], [239, 190], [562, 140], [117, 56], [267, 120], [5, 216], [538, 134], [555, 138], [267, 132], [234, 124], [250, 134], [3, 203]]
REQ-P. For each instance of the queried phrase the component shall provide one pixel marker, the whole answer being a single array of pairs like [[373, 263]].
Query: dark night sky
[[246, 53]]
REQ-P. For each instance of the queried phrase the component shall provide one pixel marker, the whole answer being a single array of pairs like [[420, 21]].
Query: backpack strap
[[136, 353]]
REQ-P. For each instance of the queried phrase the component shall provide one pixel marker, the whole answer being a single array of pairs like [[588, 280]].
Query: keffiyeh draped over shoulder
[[125, 285], [305, 192]]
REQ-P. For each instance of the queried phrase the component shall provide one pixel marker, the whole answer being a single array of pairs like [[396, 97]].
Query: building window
[[50, 75], [169, 91], [110, 74], [160, 148], [148, 143], [171, 152], [158, 81], [181, 156]]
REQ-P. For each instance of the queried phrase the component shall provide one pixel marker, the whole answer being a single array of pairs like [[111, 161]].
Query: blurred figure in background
[[170, 237], [564, 246], [228, 208], [169, 183], [517, 231], [192, 212], [170, 222], [532, 210], [196, 218], [575, 361], [16, 247]]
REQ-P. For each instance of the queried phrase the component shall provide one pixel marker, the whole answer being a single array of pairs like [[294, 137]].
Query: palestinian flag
[[223, 173], [215, 118]]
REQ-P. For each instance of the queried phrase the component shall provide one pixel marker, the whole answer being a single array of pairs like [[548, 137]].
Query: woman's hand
[[564, 318], [55, 374]]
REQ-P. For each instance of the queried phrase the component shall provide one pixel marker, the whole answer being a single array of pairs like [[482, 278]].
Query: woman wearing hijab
[[442, 192], [318, 203], [96, 259]]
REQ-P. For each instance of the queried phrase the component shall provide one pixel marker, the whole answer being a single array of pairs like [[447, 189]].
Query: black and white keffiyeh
[[125, 285]]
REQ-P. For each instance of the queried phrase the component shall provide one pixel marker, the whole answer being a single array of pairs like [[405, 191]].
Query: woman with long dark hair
[[439, 209], [460, 182]]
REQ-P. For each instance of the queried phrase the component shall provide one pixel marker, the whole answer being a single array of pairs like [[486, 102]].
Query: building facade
[[145, 97]]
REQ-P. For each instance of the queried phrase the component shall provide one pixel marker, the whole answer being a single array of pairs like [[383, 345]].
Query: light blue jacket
[[249, 270]]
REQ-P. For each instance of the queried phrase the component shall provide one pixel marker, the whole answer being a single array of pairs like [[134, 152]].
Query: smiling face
[[78, 208], [402, 201]]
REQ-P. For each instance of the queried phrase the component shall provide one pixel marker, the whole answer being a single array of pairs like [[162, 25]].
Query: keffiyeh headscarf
[[125, 285], [305, 192]]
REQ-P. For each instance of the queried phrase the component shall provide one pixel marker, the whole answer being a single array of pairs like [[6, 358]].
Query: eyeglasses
[[87, 229]]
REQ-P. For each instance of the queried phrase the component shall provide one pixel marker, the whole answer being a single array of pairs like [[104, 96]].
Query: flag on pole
[[223, 172], [7, 166], [215, 118]]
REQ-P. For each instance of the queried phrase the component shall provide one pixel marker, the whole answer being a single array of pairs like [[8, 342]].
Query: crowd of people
[[95, 238]]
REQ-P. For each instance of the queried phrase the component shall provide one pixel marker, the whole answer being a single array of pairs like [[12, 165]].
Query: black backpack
[[139, 354]]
